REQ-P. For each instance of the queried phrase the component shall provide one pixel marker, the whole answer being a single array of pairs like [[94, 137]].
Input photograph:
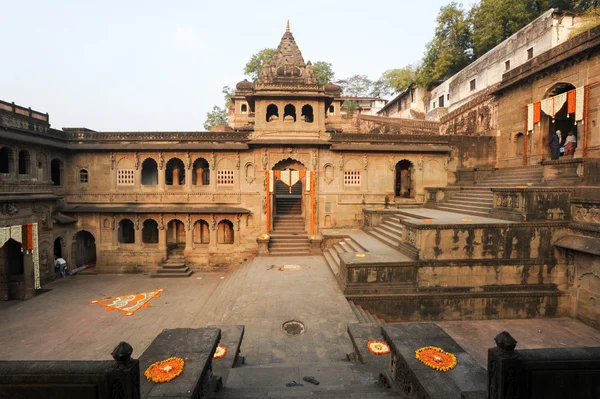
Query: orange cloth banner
[[537, 112], [571, 102]]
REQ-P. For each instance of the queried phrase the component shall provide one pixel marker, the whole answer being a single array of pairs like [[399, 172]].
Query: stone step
[[289, 232], [172, 265], [361, 316], [392, 223], [474, 205], [365, 317], [339, 249], [384, 239], [391, 235], [161, 270], [288, 253], [454, 210], [335, 256], [286, 217], [356, 247], [171, 275], [394, 219], [392, 229], [331, 262], [472, 197]]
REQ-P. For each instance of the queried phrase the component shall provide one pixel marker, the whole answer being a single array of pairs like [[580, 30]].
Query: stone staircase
[[389, 231], [174, 266], [477, 199], [364, 316], [337, 380], [289, 237], [332, 254]]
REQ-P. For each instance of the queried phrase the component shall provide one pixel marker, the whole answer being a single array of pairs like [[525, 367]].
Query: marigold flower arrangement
[[165, 370], [220, 352], [378, 347], [436, 358]]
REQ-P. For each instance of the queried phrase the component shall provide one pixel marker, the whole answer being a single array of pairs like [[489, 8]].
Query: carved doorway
[[12, 268], [562, 120], [85, 248], [404, 185], [288, 198], [176, 234]]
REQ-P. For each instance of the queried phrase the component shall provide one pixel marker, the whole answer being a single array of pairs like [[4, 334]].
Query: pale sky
[[160, 66]]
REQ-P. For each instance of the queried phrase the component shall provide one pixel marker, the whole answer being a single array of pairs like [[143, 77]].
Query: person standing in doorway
[[555, 145], [570, 145]]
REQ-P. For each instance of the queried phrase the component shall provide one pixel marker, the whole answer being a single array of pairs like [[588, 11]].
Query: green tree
[[323, 72], [218, 116], [350, 107], [450, 49], [399, 79], [253, 67], [228, 94], [356, 86]]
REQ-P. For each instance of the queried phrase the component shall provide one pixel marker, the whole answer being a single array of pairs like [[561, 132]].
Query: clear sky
[[160, 65]]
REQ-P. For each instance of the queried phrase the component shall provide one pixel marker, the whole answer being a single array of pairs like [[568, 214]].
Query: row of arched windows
[[200, 233], [289, 113], [175, 172], [24, 165]]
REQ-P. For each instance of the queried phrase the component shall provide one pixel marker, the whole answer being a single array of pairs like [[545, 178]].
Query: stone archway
[[84, 248], [404, 181], [561, 121], [12, 270], [288, 199], [175, 234]]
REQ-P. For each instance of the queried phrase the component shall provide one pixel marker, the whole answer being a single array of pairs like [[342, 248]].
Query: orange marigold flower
[[220, 352], [165, 370], [436, 358], [378, 347]]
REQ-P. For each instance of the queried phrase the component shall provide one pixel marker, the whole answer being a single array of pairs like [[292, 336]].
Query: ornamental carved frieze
[[411, 237], [9, 208], [511, 201], [583, 213], [313, 159]]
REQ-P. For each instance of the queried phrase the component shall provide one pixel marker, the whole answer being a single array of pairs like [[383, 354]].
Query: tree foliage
[[450, 49], [323, 72], [253, 67], [218, 116], [350, 107], [228, 94], [356, 86], [399, 79]]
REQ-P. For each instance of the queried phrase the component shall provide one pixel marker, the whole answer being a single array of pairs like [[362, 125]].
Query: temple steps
[[332, 255], [389, 231], [268, 381], [289, 238], [364, 316], [174, 266]]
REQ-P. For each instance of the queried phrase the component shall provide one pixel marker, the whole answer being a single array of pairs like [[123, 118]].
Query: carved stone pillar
[[188, 179], [138, 178], [138, 237], [175, 175], [162, 240], [199, 176], [161, 179], [189, 240]]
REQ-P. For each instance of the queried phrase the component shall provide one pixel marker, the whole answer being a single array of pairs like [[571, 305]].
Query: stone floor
[[62, 324]]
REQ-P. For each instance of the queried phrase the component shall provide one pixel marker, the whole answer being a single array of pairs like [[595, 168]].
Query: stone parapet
[[531, 204]]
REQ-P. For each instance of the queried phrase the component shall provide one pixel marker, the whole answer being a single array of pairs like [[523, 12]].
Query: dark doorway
[[58, 248], [562, 121], [288, 200], [16, 266], [85, 249], [404, 179], [55, 166]]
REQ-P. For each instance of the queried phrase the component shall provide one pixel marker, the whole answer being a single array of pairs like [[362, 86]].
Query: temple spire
[[287, 26]]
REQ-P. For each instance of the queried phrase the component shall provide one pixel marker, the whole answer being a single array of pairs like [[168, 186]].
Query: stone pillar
[[213, 237], [138, 237], [161, 179], [189, 240], [176, 175], [162, 241], [28, 286], [138, 178], [188, 179]]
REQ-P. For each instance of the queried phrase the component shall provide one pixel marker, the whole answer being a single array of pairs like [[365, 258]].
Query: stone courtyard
[[61, 324]]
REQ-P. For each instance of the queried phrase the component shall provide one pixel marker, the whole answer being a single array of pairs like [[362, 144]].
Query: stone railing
[[105, 379], [388, 138], [80, 135], [409, 124], [531, 204]]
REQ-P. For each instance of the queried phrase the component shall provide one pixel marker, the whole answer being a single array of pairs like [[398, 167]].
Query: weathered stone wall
[[473, 151]]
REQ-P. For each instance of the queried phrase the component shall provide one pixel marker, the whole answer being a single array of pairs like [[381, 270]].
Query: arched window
[[307, 113], [175, 172], [126, 232], [6, 160], [244, 108], [201, 172], [289, 113], [150, 232], [55, 171], [201, 232], [272, 113], [149, 172], [225, 232], [24, 162], [331, 109], [519, 139], [83, 176]]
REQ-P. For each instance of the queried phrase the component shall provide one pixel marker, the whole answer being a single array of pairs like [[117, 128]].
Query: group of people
[[556, 143]]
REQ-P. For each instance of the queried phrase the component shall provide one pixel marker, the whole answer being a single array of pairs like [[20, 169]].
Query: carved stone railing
[[157, 136], [388, 138], [531, 204]]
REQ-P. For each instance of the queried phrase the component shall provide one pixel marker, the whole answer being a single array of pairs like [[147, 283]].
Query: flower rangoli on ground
[[378, 347], [129, 304], [436, 358], [165, 370]]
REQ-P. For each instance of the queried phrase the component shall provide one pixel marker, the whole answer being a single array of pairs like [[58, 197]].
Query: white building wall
[[544, 33]]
